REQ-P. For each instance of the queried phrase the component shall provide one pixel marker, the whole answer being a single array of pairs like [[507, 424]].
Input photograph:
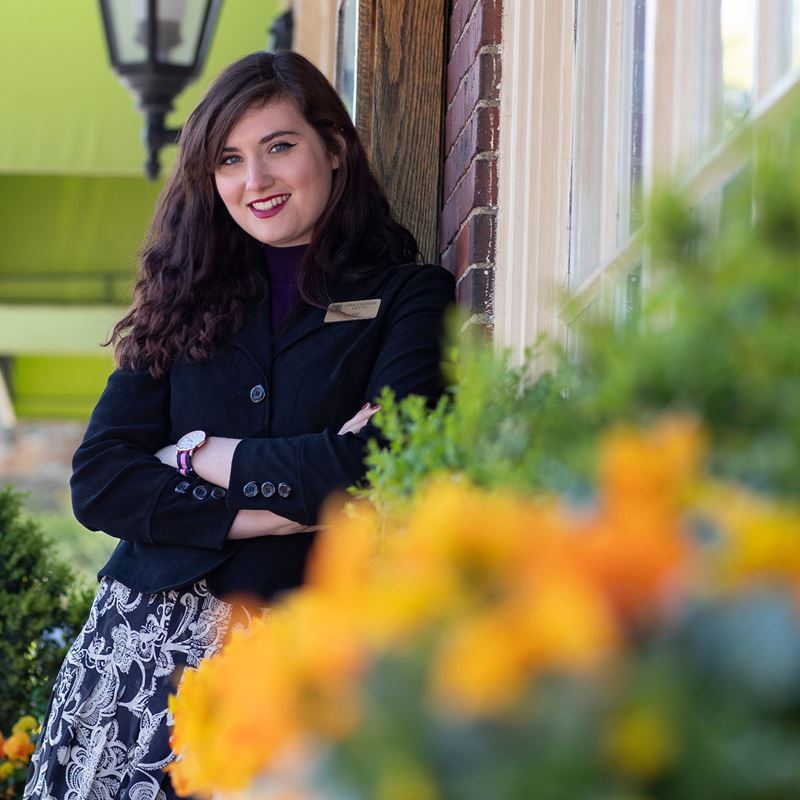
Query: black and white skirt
[[106, 731]]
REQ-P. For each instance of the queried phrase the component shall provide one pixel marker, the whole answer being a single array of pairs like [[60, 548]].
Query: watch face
[[191, 440]]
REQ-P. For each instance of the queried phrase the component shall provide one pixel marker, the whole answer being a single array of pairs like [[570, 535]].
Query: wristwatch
[[185, 448]]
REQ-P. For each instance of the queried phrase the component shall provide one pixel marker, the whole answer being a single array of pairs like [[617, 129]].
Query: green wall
[[58, 387], [64, 111], [73, 198], [73, 226]]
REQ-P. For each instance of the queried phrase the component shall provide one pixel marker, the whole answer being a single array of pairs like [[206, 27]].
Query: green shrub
[[717, 335], [42, 609]]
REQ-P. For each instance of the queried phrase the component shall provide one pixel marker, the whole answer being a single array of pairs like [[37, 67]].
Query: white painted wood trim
[[661, 120], [773, 44], [315, 33], [536, 102], [716, 170]]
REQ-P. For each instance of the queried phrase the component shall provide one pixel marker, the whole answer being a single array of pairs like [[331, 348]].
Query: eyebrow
[[267, 138]]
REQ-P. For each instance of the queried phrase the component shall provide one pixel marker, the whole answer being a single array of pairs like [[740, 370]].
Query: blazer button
[[258, 393], [218, 493], [200, 492], [182, 487], [250, 489], [284, 490], [267, 489]]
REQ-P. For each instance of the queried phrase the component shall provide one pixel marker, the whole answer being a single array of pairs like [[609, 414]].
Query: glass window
[[608, 139], [347, 54], [738, 26]]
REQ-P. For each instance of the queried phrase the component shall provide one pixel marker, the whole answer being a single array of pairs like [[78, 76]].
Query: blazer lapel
[[255, 336], [312, 319]]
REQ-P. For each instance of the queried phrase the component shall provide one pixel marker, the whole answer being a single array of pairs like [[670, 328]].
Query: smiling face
[[275, 174]]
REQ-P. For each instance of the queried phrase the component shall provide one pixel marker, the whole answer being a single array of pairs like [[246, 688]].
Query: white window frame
[[537, 99]]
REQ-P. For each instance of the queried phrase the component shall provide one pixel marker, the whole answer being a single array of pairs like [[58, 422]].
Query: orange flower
[[643, 570], [648, 473], [479, 666], [18, 747], [564, 622]]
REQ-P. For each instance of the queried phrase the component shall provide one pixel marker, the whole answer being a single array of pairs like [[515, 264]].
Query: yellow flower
[[761, 539], [564, 622], [640, 743], [241, 701], [289, 674], [25, 725], [344, 550], [18, 747], [6, 770], [479, 667]]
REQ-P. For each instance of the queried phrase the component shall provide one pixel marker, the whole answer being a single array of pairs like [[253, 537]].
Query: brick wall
[[469, 201]]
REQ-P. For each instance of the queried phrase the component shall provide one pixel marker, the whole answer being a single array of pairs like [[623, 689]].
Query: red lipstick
[[264, 213]]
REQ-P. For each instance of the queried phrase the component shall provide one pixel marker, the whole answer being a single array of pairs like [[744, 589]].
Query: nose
[[258, 176]]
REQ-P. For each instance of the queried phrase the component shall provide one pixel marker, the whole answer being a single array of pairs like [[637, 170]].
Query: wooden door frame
[[399, 90], [400, 81]]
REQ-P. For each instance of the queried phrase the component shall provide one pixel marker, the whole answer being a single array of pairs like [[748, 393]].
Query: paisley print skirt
[[106, 730]]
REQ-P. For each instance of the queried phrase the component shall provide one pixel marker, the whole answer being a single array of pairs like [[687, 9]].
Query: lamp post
[[157, 47]]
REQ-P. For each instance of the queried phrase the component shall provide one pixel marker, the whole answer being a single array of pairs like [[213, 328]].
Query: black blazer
[[286, 399]]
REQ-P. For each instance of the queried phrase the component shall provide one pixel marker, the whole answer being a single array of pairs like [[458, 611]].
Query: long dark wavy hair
[[199, 272]]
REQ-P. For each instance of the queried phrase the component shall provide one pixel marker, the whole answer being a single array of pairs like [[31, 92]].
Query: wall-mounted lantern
[[157, 47]]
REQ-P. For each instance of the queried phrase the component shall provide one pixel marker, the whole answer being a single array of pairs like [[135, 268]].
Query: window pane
[[738, 26], [609, 125], [346, 54], [794, 27], [634, 212], [179, 28]]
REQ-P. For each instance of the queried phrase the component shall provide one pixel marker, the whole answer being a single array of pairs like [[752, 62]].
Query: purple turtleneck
[[283, 264]]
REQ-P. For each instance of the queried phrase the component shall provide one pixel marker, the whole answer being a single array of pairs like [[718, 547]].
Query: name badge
[[352, 310]]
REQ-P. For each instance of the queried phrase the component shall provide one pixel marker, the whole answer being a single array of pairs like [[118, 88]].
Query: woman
[[276, 297]]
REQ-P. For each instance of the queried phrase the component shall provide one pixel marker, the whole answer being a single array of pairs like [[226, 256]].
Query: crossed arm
[[119, 487], [212, 462]]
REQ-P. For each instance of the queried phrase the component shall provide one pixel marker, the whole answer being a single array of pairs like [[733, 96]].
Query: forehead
[[276, 115]]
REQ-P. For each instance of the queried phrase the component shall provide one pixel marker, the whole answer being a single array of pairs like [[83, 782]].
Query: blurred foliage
[[717, 336], [84, 551], [579, 581], [42, 609]]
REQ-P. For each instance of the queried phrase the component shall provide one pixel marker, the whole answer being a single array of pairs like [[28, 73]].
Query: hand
[[168, 455], [252, 523], [357, 422]]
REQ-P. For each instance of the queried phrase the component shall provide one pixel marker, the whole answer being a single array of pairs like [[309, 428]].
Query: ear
[[336, 157]]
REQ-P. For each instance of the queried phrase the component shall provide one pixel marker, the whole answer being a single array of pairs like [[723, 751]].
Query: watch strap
[[185, 462]]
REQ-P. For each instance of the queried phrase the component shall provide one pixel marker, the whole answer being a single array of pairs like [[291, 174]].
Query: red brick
[[482, 29], [480, 135], [481, 82], [474, 244], [475, 290], [478, 188], [459, 16]]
